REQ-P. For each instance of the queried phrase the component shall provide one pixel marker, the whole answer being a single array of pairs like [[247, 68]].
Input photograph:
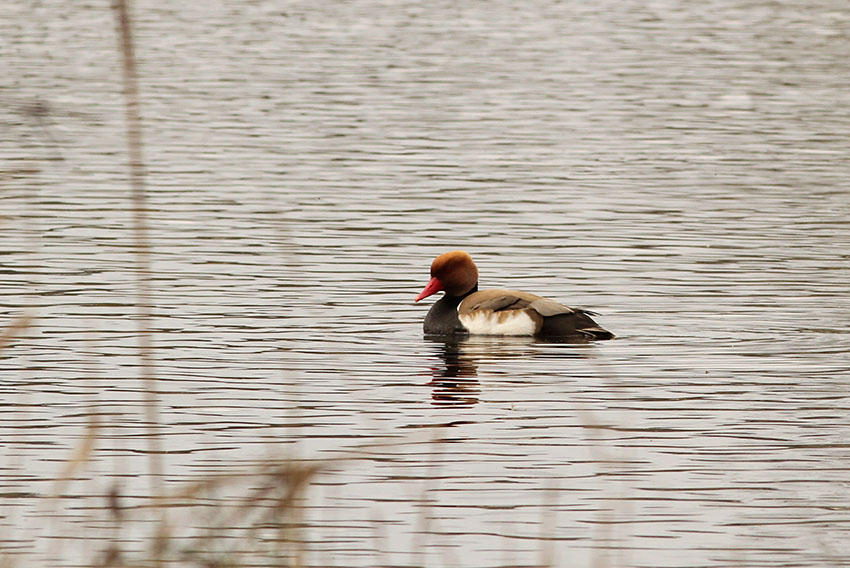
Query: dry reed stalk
[[141, 242], [548, 525], [18, 326], [142, 254], [270, 503]]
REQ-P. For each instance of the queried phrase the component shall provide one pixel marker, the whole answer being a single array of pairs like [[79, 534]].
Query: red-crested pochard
[[464, 310]]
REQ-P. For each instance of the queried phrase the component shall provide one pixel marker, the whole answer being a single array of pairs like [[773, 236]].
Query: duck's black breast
[[442, 317]]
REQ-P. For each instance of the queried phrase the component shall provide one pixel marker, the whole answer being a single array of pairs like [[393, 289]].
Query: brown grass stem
[[141, 240], [18, 326]]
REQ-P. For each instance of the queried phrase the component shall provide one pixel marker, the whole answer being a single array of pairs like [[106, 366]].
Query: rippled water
[[681, 168]]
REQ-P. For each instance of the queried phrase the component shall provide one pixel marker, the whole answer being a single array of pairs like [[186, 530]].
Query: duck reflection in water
[[455, 377]]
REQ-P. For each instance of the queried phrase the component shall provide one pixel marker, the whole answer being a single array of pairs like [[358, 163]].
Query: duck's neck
[[442, 317], [456, 300]]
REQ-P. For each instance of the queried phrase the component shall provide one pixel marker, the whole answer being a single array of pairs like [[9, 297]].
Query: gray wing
[[546, 307], [503, 300]]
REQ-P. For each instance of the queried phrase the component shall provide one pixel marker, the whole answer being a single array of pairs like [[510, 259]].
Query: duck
[[465, 310]]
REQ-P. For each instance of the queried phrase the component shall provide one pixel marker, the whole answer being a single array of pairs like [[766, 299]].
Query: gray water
[[680, 167]]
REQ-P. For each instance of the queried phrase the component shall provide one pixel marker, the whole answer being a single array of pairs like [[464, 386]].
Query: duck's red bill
[[434, 286]]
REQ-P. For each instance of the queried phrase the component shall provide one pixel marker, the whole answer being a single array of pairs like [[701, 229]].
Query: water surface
[[681, 169]]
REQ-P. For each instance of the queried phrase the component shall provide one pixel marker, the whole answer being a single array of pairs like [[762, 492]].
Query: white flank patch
[[485, 322]]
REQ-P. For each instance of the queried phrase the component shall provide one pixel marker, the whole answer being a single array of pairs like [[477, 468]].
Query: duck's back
[[512, 312]]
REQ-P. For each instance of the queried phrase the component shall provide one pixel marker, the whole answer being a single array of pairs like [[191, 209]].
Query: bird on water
[[464, 310]]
